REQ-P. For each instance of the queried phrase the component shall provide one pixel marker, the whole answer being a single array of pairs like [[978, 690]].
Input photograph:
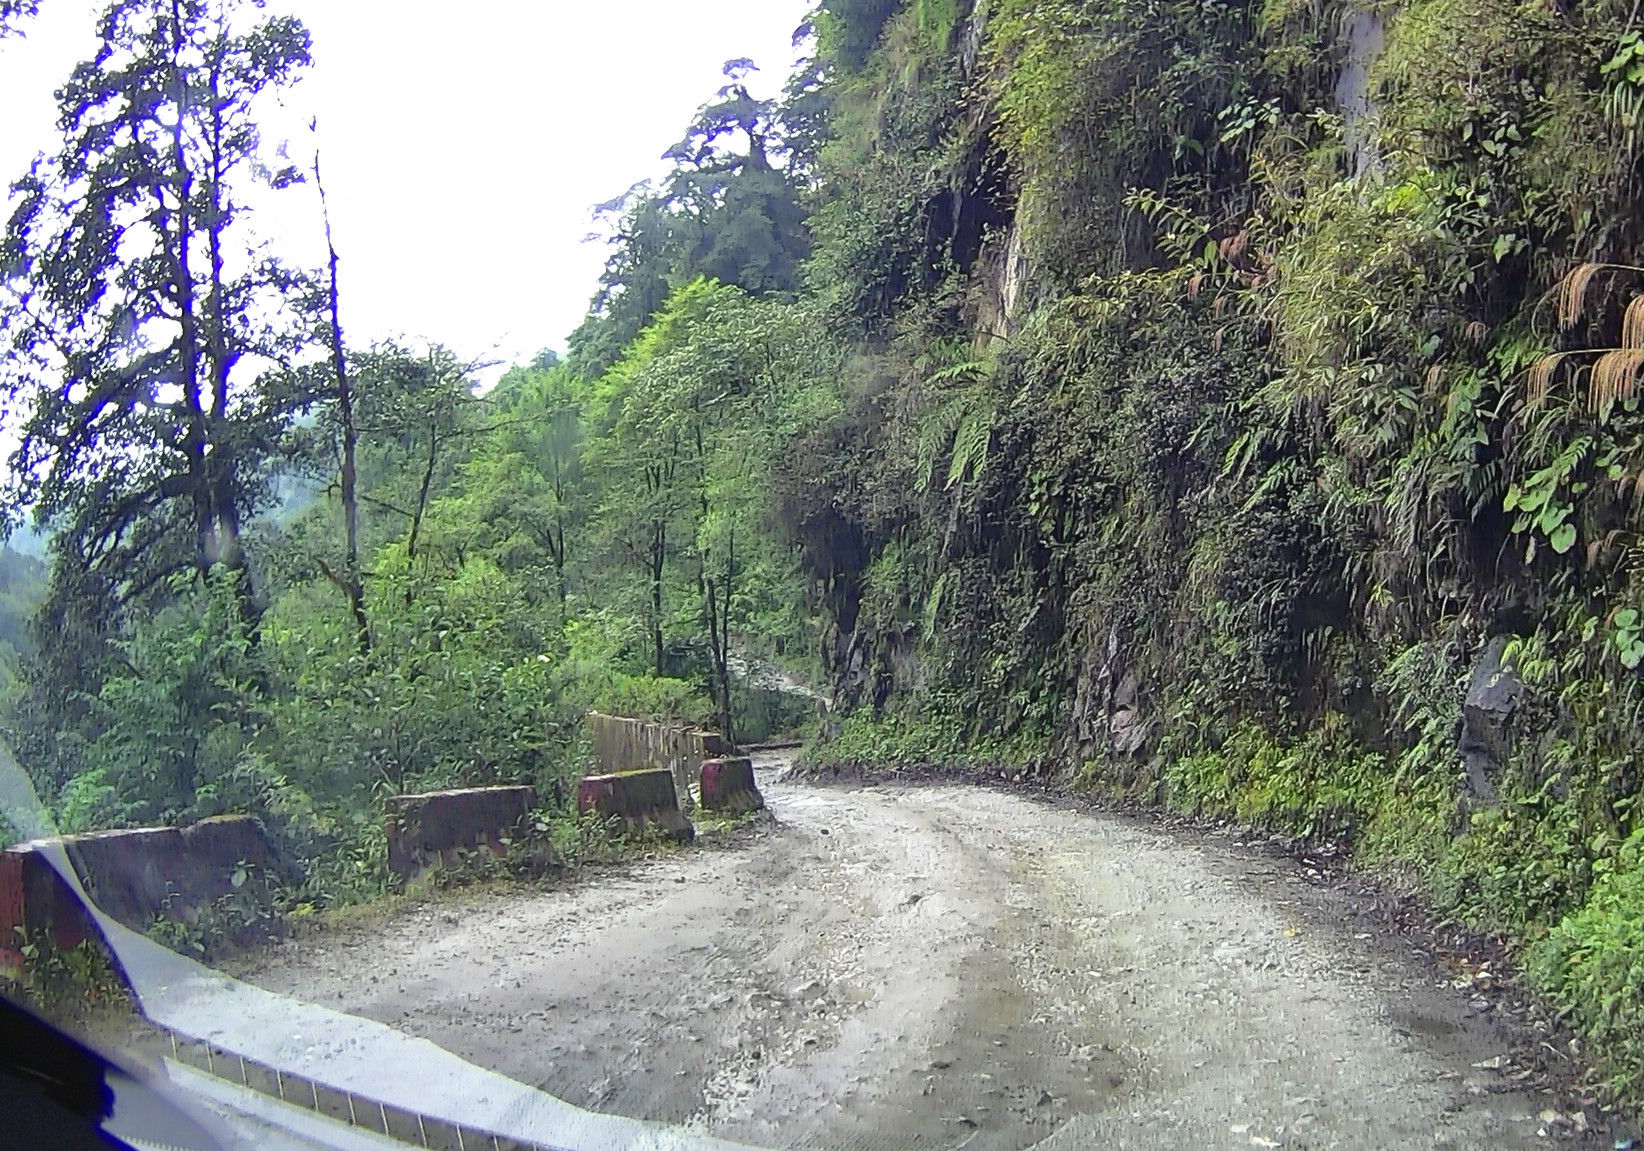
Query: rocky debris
[[1108, 715], [1127, 730]]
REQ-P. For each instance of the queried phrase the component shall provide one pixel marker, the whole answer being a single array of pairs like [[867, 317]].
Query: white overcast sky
[[463, 146]]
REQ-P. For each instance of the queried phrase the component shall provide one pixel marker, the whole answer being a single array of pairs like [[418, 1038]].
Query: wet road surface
[[940, 967]]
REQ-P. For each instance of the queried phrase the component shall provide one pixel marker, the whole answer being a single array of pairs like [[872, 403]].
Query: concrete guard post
[[35, 903], [136, 876], [728, 786], [437, 826], [639, 799], [623, 744]]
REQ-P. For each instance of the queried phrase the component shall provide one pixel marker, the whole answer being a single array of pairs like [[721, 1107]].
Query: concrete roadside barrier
[[710, 744], [135, 876], [728, 786], [36, 903], [638, 798], [438, 826], [622, 744]]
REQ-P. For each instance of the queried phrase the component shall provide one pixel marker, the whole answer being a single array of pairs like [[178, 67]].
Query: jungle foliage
[[291, 575], [22, 586]]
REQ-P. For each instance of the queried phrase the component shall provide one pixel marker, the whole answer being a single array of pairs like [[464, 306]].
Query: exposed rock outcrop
[[1493, 692]]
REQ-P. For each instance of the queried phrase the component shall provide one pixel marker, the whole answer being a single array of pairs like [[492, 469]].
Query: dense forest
[[22, 586], [1231, 407]]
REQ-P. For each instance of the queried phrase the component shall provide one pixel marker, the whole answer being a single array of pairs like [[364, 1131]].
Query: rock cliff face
[[1261, 431], [1486, 735], [1364, 34]]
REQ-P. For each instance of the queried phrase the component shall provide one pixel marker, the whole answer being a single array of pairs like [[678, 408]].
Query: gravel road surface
[[942, 967]]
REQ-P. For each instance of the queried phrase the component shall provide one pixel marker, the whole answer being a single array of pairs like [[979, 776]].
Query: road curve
[[942, 967]]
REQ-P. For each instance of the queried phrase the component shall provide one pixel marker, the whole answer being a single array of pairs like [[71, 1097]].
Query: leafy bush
[[1592, 964], [1316, 788], [862, 741], [67, 983], [1521, 866]]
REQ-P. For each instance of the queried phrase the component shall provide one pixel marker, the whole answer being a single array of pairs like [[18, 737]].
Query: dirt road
[[942, 967]]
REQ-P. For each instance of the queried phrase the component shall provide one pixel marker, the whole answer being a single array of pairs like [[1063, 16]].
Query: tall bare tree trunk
[[353, 580], [182, 276], [223, 464], [659, 553], [718, 615], [422, 493]]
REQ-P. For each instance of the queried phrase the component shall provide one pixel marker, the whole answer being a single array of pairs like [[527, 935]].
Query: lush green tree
[[747, 225], [22, 587], [848, 30], [456, 688], [688, 426], [138, 312], [635, 457], [414, 420], [134, 318], [173, 722], [451, 579], [418, 416], [728, 210], [522, 497]]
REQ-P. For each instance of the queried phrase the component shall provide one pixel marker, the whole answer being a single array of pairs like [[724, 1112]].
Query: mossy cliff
[[1244, 416]]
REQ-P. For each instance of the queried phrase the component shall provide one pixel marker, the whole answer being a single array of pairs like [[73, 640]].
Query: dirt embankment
[[947, 966]]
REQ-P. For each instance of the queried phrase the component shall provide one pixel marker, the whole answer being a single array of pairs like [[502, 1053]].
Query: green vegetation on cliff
[[1244, 418]]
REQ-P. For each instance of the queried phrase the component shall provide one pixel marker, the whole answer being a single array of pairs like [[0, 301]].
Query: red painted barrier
[[623, 745], [640, 799], [440, 825], [13, 908], [36, 903], [728, 785], [135, 876]]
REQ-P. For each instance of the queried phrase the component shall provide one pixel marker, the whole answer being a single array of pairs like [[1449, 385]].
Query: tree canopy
[[729, 210]]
